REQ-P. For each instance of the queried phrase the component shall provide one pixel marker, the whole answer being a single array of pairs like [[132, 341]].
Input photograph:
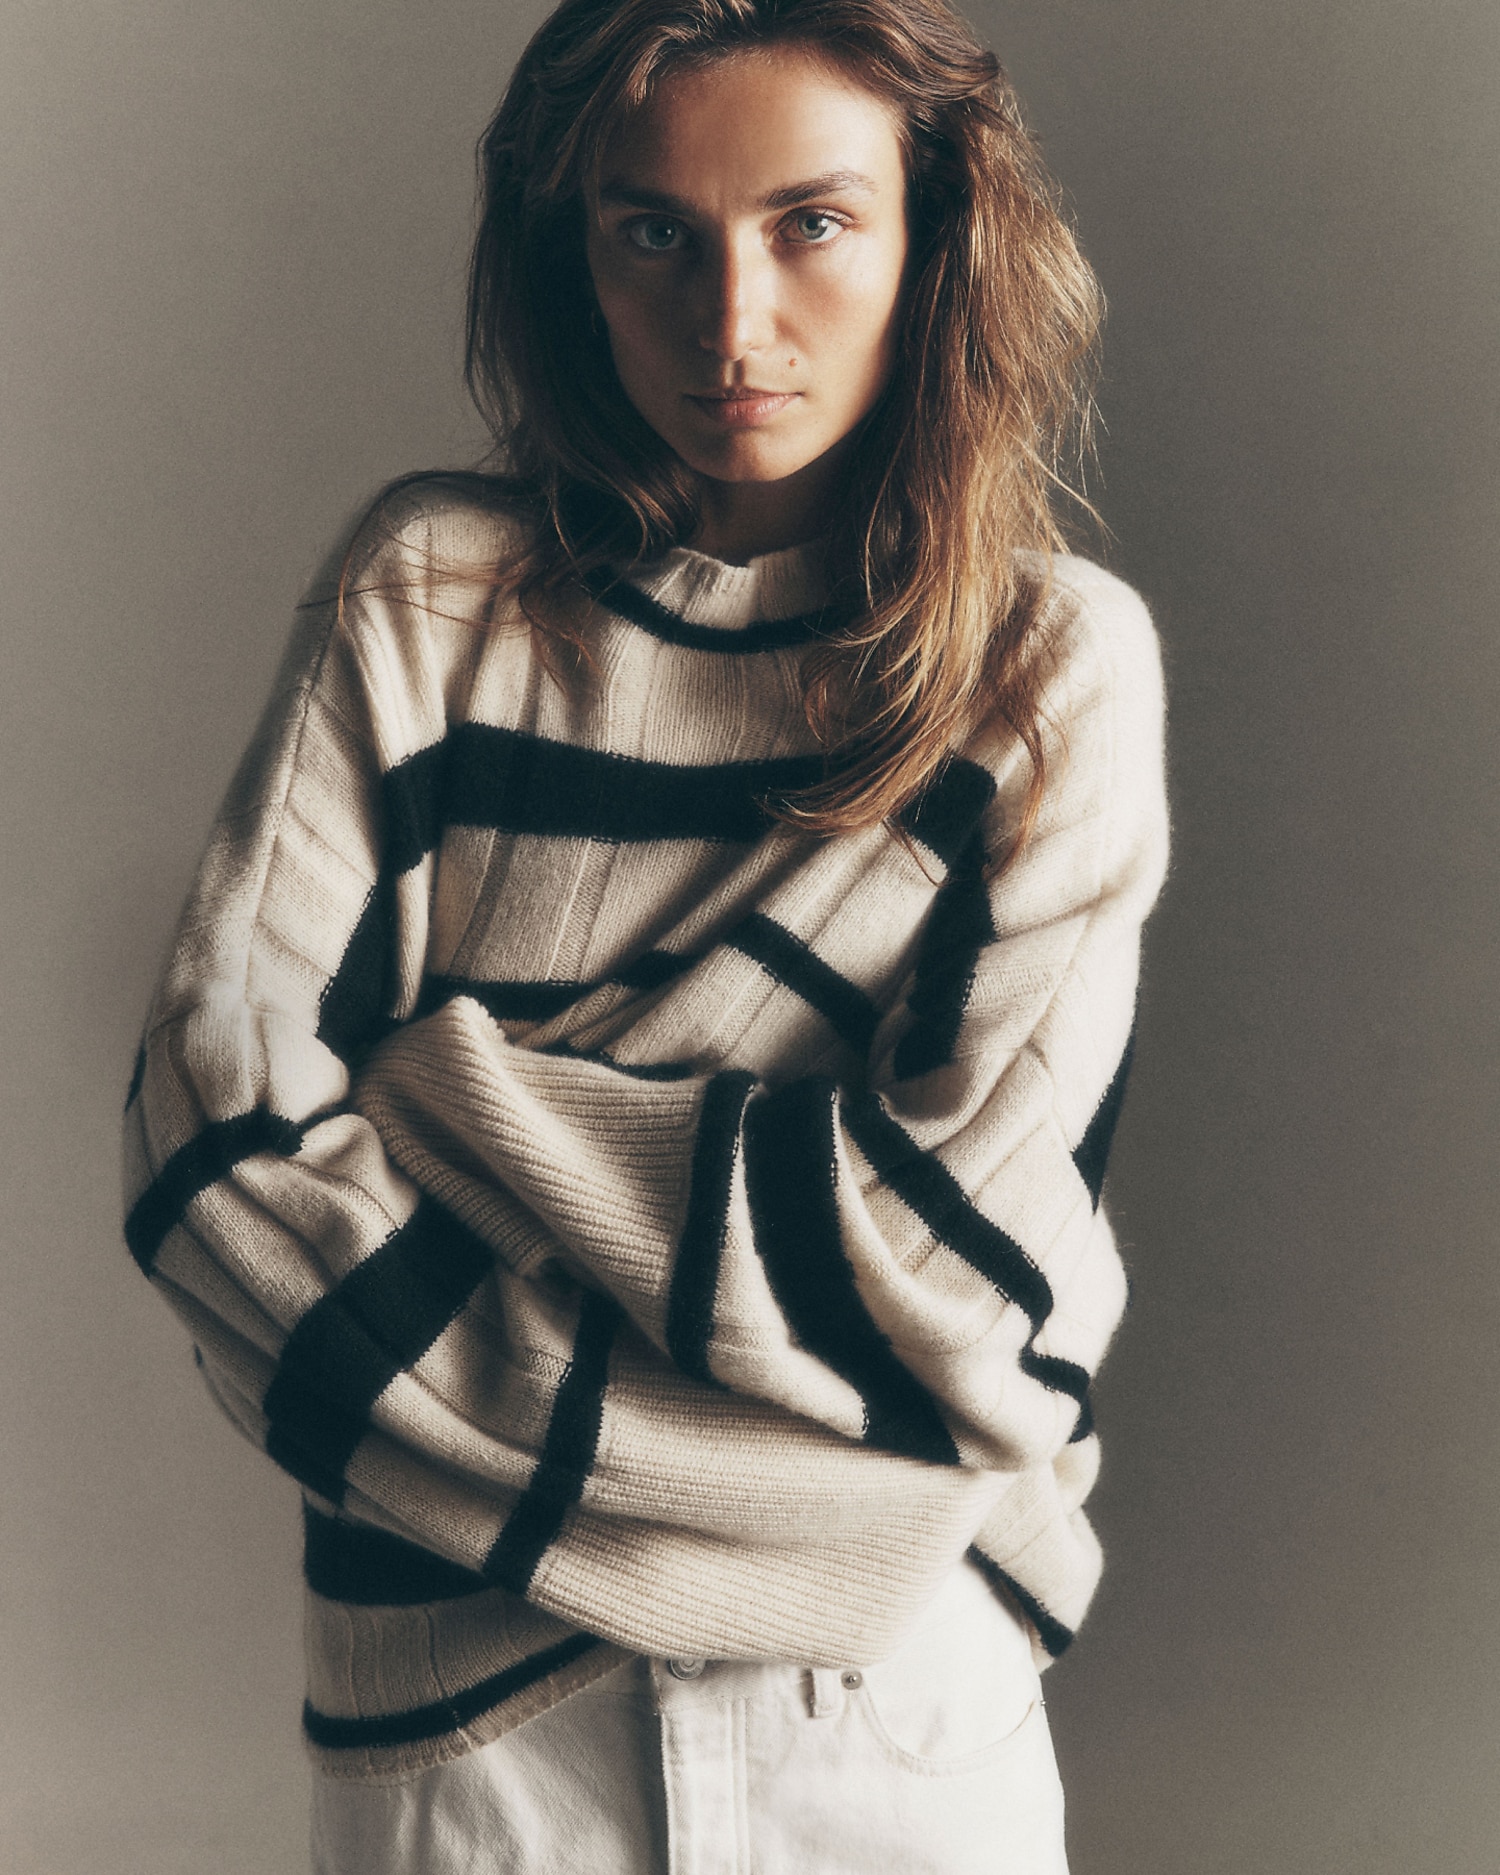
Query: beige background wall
[[231, 248]]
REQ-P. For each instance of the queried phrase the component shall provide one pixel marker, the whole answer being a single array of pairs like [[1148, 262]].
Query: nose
[[737, 311]]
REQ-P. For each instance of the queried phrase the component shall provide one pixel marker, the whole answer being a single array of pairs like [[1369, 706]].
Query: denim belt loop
[[825, 1692]]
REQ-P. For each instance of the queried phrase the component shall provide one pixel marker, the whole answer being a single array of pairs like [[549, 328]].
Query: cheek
[[627, 304], [857, 308], [859, 324], [638, 327]]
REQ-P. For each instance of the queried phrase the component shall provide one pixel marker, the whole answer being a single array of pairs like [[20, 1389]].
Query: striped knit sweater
[[637, 1226]]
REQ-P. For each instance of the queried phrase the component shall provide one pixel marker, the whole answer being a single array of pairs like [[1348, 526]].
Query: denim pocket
[[961, 1688], [944, 1761]]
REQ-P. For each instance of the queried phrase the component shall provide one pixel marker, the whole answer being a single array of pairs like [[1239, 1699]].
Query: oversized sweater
[[637, 1225]]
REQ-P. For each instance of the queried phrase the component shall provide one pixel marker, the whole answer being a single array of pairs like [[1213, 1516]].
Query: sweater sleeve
[[258, 1201], [918, 1261]]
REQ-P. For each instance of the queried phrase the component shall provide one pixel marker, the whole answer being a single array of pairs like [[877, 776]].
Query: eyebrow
[[837, 182]]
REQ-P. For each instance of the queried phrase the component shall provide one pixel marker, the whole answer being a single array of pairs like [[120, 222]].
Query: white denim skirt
[[936, 1761]]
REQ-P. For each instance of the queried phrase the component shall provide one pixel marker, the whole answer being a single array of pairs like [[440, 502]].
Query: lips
[[742, 408]]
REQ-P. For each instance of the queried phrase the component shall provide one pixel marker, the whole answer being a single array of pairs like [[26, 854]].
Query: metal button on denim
[[686, 1669], [852, 1680]]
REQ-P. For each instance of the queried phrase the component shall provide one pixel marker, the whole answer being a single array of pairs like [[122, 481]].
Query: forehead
[[740, 126]]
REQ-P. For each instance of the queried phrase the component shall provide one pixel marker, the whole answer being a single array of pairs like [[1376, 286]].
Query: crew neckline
[[727, 597]]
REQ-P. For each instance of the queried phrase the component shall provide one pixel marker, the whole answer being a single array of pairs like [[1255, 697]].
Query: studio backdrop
[[232, 245]]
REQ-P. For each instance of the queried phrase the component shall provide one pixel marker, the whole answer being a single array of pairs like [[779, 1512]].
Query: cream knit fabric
[[641, 1228]]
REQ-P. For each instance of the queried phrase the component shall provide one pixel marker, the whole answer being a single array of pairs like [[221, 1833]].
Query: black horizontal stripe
[[540, 999], [790, 1175], [639, 608], [1059, 1375], [926, 1186], [528, 785], [653, 969], [695, 1273], [356, 1008], [370, 1568], [412, 794], [354, 1011], [350, 1345], [1053, 1635], [207, 1157], [567, 1451], [1084, 1425], [958, 927], [784, 956], [417, 1723], [948, 811], [1091, 1154], [482, 775]]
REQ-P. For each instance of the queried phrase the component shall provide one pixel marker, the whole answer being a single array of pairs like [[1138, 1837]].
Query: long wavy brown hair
[[958, 469]]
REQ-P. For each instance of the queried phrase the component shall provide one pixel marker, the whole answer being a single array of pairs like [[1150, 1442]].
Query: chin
[[747, 459]]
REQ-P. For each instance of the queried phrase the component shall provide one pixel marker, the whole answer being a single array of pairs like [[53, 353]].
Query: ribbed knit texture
[[640, 1227]]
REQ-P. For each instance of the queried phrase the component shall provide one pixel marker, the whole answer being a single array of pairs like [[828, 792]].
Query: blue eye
[[656, 236], [814, 228]]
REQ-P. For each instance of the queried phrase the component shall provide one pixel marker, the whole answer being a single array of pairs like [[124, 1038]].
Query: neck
[[742, 520]]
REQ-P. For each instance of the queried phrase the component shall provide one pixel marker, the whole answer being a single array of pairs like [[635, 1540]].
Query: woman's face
[[748, 244]]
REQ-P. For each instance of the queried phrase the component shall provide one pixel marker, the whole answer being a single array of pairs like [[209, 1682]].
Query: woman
[[625, 1116]]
